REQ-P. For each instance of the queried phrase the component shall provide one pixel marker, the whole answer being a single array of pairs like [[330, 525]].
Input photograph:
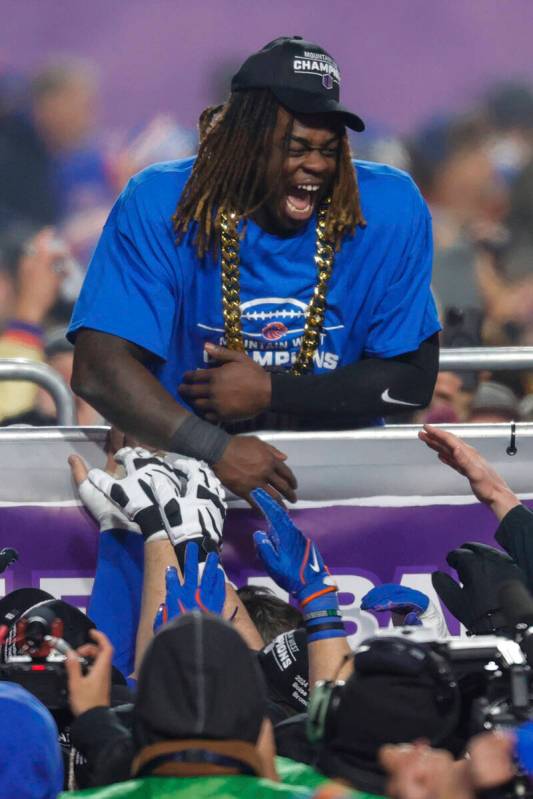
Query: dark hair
[[229, 172], [270, 614]]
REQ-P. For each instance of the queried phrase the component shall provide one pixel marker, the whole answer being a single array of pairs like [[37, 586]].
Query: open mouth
[[300, 201]]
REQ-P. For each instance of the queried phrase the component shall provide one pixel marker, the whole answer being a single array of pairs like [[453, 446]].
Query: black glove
[[481, 570]]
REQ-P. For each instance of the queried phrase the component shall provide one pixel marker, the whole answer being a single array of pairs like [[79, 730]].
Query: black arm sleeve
[[372, 387], [515, 535]]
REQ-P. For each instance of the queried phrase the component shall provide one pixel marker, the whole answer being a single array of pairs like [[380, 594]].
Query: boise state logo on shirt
[[273, 318], [272, 331]]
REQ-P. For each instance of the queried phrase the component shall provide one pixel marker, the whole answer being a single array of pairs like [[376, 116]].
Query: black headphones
[[387, 655]]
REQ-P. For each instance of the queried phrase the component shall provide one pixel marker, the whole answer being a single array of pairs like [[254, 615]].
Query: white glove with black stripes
[[202, 504], [133, 494], [181, 499]]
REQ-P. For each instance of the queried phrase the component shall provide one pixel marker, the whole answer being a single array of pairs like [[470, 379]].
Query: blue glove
[[184, 597], [291, 559], [295, 564], [398, 599]]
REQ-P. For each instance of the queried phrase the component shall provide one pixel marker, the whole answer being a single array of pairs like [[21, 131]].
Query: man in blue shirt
[[269, 274]]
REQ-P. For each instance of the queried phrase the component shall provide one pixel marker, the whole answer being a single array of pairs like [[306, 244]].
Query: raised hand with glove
[[182, 499], [133, 494], [295, 564], [481, 570], [202, 508], [206, 593], [408, 606]]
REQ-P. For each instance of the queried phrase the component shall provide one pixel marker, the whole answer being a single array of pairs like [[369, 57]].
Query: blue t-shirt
[[142, 287]]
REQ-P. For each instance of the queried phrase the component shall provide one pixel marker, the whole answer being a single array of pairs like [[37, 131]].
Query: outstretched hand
[[486, 484], [248, 463], [235, 388], [292, 560], [206, 593]]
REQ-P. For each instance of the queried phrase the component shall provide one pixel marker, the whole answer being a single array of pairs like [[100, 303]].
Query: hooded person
[[400, 691], [32, 767], [197, 718]]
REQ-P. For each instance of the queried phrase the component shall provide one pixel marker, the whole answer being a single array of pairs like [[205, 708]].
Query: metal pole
[[476, 358], [46, 377]]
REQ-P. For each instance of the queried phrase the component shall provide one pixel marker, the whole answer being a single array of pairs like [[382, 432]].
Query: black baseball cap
[[300, 74]]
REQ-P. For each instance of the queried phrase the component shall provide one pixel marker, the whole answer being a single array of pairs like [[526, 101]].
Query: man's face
[[299, 173]]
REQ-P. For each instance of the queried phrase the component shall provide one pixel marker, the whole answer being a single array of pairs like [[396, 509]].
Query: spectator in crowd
[[31, 277], [42, 147], [453, 168], [32, 767], [398, 692], [494, 402], [270, 614]]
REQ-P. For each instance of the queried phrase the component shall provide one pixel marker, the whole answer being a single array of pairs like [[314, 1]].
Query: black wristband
[[318, 628], [199, 439]]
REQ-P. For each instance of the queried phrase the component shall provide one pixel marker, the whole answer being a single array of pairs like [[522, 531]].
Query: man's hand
[[236, 389], [490, 761], [485, 482], [93, 689], [418, 772], [249, 463]]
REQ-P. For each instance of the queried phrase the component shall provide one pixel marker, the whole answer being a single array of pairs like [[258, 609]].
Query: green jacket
[[297, 780], [234, 787], [293, 773]]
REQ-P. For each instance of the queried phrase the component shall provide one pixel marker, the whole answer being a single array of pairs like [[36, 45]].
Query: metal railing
[[46, 377], [494, 358], [460, 359]]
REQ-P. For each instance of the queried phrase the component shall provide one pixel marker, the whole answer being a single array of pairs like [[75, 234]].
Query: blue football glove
[[398, 599], [208, 596], [292, 560], [416, 607]]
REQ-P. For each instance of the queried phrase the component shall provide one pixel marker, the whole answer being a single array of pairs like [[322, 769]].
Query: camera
[[34, 655]]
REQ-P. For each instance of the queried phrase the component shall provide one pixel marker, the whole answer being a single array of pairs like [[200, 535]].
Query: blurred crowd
[[61, 171]]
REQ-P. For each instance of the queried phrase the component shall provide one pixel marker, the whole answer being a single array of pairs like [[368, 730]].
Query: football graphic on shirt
[[272, 318]]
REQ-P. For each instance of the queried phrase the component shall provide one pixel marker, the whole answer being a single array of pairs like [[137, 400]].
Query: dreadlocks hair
[[230, 171]]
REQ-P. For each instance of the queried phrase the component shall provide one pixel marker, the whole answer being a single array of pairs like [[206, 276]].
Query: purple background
[[402, 60], [378, 543]]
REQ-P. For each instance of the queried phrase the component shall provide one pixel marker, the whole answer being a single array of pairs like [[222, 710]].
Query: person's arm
[[112, 374], [235, 611], [486, 484], [295, 564], [96, 733], [371, 387]]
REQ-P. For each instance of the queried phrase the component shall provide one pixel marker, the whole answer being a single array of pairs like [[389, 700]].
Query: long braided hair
[[230, 170]]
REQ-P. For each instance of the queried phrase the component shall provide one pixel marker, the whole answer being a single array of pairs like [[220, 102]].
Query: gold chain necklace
[[231, 295]]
